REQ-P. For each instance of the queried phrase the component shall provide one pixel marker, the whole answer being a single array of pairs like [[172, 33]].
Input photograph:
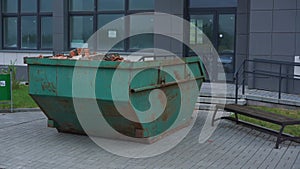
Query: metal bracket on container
[[141, 89]]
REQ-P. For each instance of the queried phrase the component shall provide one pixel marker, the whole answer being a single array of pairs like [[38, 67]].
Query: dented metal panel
[[51, 83]]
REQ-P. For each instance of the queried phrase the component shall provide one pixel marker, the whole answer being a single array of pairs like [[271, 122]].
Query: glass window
[[28, 6], [141, 24], [204, 23], [81, 28], [28, 32], [10, 32], [46, 5], [81, 5], [110, 5], [24, 27], [112, 33], [141, 4], [104, 19], [226, 33], [10, 6], [46, 32]]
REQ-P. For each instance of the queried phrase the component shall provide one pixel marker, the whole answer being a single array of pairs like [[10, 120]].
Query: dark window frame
[[19, 15], [97, 12]]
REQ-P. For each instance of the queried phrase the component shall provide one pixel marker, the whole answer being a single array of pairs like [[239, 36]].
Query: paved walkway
[[26, 143]]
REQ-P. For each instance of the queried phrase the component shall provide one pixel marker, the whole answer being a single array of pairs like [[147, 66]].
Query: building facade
[[238, 29]]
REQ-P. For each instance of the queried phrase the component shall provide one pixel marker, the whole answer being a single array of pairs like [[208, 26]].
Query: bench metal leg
[[214, 116], [279, 137], [236, 118]]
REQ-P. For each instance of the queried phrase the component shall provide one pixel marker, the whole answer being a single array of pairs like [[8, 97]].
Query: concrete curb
[[17, 110]]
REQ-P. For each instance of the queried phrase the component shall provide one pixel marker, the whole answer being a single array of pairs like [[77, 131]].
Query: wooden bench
[[261, 115]]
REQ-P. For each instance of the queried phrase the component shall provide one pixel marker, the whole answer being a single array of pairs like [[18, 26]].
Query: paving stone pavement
[[27, 143]]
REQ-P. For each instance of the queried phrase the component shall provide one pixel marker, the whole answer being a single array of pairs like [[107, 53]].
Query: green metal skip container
[[140, 100]]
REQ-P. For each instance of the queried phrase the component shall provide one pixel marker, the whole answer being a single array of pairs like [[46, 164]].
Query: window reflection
[[10, 32], [81, 30], [141, 24], [141, 5], [112, 33], [81, 5], [46, 5], [26, 27], [28, 6], [85, 19], [9, 6], [46, 32], [28, 32], [226, 33], [111, 5]]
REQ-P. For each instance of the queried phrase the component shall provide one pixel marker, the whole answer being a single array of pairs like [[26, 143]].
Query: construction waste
[[85, 54]]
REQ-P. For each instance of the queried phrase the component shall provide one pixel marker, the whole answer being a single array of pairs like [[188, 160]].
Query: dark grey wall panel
[[243, 6], [284, 21], [260, 44], [285, 4], [261, 4], [260, 56], [175, 29], [297, 52], [266, 83], [283, 44], [59, 7], [259, 80], [169, 26], [298, 44], [162, 42], [176, 47], [177, 7], [288, 58], [287, 85], [58, 42], [261, 21], [296, 87], [60, 26], [239, 60], [163, 23], [282, 34], [160, 6], [242, 24], [58, 29], [212, 3], [1, 27], [242, 45], [169, 6], [298, 21], [242, 32]]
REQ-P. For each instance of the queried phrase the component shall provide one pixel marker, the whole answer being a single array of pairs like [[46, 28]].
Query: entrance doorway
[[219, 27]]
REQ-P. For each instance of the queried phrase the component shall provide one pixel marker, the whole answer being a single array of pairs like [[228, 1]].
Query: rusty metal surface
[[50, 84]]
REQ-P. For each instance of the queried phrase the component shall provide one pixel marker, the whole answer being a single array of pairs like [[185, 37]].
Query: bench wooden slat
[[260, 114]]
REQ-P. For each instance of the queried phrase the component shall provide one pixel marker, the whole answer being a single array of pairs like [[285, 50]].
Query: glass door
[[226, 44], [205, 23], [219, 27]]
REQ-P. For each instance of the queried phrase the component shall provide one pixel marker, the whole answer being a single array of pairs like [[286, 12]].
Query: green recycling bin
[[5, 87], [121, 91]]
